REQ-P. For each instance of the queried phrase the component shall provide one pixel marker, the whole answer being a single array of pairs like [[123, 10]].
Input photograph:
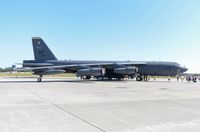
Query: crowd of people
[[188, 78], [192, 78]]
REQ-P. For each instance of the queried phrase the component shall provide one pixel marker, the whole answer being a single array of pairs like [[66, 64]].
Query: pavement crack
[[66, 111]]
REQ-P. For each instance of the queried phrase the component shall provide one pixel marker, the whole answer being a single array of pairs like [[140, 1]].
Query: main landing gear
[[139, 78], [39, 79], [85, 77], [142, 78]]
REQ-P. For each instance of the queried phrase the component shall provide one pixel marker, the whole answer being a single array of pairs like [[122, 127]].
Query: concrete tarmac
[[72, 105]]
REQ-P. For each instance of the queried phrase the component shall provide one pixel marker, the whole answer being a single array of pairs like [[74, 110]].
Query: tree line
[[5, 69]]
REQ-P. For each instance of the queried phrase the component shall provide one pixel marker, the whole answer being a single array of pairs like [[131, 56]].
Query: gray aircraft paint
[[44, 57], [41, 50]]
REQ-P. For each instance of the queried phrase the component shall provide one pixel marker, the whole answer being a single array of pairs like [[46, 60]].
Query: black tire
[[138, 78], [119, 79], [39, 79], [87, 77]]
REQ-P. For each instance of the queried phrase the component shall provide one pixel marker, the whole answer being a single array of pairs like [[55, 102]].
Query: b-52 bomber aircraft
[[46, 63]]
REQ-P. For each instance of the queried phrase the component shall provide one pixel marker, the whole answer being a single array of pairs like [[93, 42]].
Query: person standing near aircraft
[[169, 78]]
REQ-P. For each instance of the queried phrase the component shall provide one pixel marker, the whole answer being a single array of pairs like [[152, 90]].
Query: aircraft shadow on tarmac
[[78, 81], [52, 81], [63, 80], [46, 80]]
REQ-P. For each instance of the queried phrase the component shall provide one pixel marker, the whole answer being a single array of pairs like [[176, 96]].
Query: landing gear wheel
[[99, 78], [110, 78], [132, 76], [39, 79], [119, 79], [87, 77], [138, 78]]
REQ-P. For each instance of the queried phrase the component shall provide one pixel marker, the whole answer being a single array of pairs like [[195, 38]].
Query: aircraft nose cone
[[181, 69], [184, 69]]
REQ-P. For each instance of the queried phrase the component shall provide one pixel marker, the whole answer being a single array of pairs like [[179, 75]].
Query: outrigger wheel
[[40, 79]]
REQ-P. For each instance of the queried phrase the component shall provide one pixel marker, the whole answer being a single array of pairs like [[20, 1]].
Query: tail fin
[[41, 50]]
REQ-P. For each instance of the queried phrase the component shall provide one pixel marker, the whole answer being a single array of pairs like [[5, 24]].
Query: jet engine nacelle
[[91, 72], [130, 70], [50, 72]]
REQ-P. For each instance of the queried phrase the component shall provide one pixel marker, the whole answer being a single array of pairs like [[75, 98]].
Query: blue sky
[[152, 30]]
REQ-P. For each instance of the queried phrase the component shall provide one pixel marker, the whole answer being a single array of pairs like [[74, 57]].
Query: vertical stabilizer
[[41, 50]]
